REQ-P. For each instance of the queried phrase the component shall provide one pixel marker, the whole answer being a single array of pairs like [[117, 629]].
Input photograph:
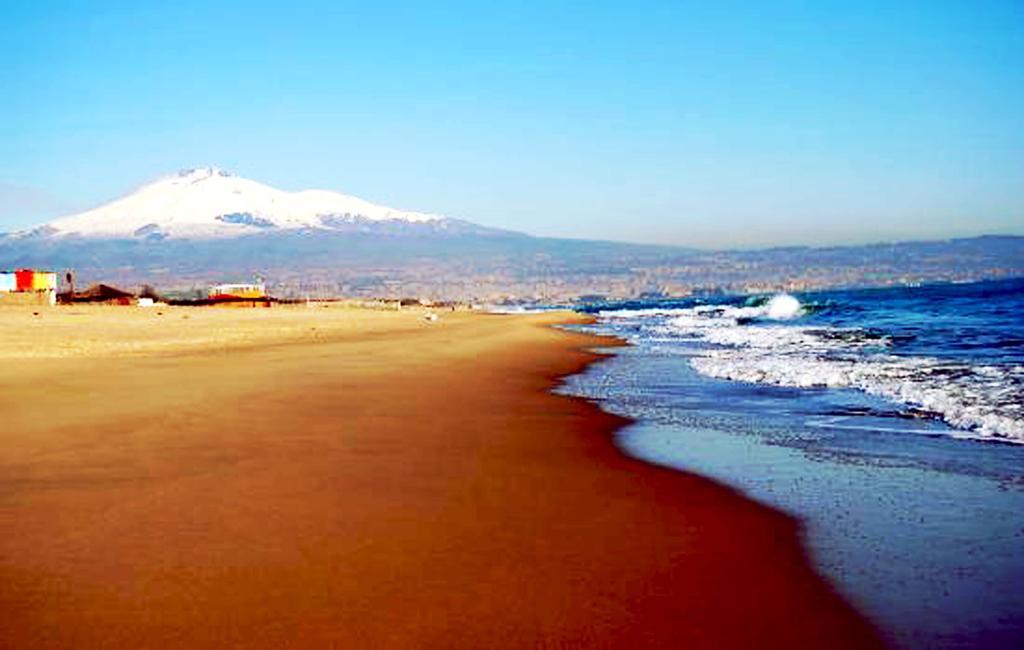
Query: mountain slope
[[209, 202]]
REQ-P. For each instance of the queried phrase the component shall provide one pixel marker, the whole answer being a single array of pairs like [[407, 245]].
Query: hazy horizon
[[726, 126]]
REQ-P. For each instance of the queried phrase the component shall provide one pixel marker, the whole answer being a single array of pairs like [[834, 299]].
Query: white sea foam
[[982, 401], [784, 307]]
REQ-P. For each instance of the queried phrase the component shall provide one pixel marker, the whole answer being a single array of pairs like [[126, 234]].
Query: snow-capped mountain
[[208, 202], [206, 226]]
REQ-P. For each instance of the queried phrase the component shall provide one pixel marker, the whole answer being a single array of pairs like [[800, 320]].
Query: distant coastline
[[207, 226]]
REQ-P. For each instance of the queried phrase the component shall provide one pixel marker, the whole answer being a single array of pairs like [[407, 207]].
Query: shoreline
[[328, 516], [948, 579]]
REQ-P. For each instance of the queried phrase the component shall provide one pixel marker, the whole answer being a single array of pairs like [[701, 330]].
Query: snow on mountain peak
[[207, 202]]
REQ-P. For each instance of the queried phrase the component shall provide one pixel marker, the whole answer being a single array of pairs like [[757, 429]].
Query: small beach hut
[[239, 295], [28, 287], [237, 291]]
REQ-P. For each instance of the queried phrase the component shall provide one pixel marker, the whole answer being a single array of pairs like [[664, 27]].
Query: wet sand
[[382, 482]]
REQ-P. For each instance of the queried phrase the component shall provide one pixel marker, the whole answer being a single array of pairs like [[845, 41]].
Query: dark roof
[[100, 292]]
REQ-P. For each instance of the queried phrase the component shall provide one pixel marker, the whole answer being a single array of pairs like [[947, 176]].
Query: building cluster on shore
[[33, 287], [41, 287]]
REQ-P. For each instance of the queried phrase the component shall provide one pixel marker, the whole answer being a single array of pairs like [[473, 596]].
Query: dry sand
[[105, 331], [237, 479]]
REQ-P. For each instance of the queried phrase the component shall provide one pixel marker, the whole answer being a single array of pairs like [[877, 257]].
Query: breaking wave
[[764, 342]]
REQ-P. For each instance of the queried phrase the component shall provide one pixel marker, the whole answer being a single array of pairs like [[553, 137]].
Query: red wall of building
[[23, 280]]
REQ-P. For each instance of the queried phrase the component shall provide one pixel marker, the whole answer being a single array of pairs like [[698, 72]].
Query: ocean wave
[[766, 343]]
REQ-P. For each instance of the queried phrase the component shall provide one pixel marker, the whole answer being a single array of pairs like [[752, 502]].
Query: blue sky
[[704, 123]]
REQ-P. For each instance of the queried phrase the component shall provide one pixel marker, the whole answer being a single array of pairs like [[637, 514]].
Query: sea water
[[890, 421]]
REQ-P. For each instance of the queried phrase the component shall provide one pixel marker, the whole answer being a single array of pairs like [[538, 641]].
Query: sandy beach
[[348, 478]]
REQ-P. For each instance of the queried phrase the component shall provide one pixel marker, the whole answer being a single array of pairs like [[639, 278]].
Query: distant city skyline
[[699, 124]]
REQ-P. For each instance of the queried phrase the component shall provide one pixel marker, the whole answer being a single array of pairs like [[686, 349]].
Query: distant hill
[[205, 225]]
